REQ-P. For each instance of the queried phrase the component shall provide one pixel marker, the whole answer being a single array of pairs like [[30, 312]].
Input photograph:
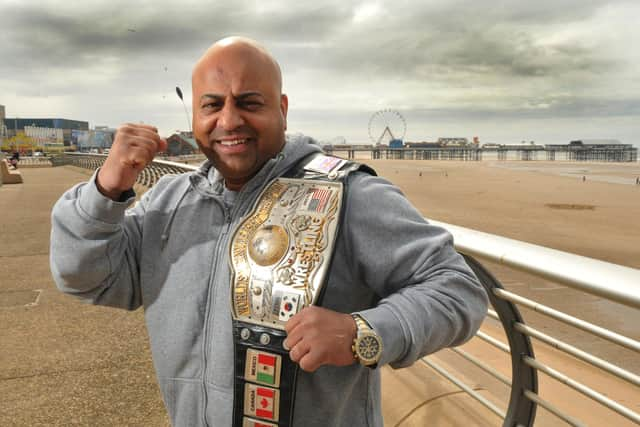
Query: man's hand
[[317, 336], [134, 147]]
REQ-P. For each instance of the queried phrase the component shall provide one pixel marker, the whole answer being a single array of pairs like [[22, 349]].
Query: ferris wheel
[[386, 125]]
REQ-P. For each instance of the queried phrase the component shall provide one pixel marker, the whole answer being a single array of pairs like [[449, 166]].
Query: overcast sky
[[504, 71]]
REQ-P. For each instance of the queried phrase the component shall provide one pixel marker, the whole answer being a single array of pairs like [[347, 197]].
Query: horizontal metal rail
[[494, 342], [580, 354], [553, 409], [488, 369], [607, 280], [474, 394], [570, 320], [528, 393], [583, 389]]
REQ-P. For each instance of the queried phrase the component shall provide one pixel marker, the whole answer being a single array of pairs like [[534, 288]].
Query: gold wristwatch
[[367, 346]]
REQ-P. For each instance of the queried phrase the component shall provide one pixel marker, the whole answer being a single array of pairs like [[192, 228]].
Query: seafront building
[[16, 125]]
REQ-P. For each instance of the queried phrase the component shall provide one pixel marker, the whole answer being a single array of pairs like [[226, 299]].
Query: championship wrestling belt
[[280, 255]]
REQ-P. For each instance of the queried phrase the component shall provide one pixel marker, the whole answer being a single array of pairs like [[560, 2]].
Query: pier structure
[[575, 151], [584, 151]]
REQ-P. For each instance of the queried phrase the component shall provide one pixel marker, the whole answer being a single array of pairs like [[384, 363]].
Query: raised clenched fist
[[134, 147]]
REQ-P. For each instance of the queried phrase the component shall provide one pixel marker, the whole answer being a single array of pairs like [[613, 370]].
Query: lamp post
[[179, 92]]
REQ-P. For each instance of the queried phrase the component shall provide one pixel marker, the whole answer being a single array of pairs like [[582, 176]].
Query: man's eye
[[250, 105], [211, 106]]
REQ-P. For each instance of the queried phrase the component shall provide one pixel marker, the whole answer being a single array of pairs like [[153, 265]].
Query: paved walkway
[[63, 362]]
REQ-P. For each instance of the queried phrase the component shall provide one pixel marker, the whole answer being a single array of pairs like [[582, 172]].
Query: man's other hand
[[317, 336], [134, 147]]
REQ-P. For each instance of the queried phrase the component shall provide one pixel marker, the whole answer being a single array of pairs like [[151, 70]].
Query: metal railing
[[148, 177], [609, 281]]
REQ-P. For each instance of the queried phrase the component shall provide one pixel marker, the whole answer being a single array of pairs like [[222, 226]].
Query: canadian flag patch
[[261, 402], [248, 422]]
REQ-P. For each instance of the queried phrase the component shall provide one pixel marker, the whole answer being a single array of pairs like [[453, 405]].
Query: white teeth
[[233, 142]]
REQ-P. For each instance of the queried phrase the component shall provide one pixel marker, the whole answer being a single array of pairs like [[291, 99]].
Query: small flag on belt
[[288, 306], [261, 402], [262, 367], [324, 164], [266, 369], [318, 199], [248, 422]]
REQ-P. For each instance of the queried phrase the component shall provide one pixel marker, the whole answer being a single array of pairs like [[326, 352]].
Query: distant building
[[453, 142], [180, 144], [3, 127], [15, 125], [396, 143], [422, 144], [93, 140]]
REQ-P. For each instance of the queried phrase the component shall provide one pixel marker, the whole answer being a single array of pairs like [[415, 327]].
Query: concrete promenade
[[63, 362]]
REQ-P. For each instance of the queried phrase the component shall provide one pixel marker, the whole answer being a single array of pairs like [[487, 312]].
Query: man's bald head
[[249, 50], [240, 113]]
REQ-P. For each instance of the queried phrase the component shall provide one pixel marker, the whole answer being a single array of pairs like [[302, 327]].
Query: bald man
[[395, 289]]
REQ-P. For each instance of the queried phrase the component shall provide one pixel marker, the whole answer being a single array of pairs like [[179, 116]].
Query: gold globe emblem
[[268, 245]]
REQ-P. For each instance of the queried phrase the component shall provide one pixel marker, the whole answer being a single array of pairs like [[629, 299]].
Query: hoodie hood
[[207, 180]]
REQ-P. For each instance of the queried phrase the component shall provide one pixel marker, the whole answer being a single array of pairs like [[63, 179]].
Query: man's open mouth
[[232, 142]]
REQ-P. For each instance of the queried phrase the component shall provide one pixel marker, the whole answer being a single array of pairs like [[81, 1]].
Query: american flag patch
[[317, 199]]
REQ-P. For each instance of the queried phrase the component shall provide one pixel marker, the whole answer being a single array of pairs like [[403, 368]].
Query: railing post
[[521, 410]]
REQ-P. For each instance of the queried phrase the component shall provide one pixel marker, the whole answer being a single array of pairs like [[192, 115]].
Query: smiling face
[[239, 111]]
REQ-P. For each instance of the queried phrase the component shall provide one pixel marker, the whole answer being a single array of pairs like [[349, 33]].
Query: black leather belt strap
[[265, 377]]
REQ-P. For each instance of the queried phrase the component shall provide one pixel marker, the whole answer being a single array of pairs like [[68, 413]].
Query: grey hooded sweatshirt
[[169, 254]]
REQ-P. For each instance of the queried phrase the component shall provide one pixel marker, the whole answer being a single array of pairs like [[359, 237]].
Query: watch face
[[368, 348]]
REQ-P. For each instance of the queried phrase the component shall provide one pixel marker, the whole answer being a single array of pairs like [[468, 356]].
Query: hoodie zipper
[[223, 243], [211, 296]]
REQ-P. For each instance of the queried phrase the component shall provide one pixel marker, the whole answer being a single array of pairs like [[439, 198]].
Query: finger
[[293, 339], [298, 351], [163, 145], [139, 126], [144, 143], [136, 157], [293, 322], [152, 145], [310, 362], [125, 132]]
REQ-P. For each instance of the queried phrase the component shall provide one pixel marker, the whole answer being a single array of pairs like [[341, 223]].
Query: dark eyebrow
[[211, 96], [240, 97], [244, 95]]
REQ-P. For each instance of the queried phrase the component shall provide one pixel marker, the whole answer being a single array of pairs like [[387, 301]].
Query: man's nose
[[230, 118]]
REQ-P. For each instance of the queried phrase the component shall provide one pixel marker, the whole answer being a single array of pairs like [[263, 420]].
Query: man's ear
[[284, 107]]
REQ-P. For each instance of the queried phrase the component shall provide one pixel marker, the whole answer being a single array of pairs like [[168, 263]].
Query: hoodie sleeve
[[95, 246], [430, 298]]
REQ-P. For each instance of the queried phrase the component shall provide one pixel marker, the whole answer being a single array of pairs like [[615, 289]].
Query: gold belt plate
[[280, 252]]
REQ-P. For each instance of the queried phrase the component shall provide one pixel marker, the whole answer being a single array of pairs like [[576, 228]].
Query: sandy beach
[[545, 203]]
